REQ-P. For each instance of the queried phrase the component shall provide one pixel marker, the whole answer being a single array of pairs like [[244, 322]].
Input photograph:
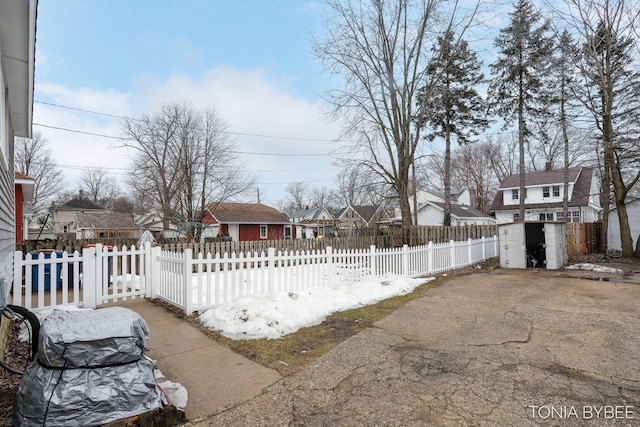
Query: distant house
[[352, 219], [432, 213], [614, 241], [153, 221], [543, 197], [17, 66], [247, 221], [64, 215], [431, 208], [102, 225], [312, 222], [23, 194]]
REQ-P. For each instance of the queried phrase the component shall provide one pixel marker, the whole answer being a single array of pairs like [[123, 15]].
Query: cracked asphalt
[[502, 348]]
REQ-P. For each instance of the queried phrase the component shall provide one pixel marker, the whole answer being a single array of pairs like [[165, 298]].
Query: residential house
[[64, 215], [432, 213], [153, 221], [614, 241], [17, 66], [431, 208], [352, 219], [312, 222], [543, 197], [247, 221], [23, 195], [101, 225]]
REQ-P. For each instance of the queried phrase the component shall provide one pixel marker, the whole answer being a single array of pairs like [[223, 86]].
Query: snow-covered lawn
[[281, 313], [593, 267]]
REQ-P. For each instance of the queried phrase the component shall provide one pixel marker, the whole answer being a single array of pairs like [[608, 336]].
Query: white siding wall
[[556, 245], [613, 230], [513, 253], [7, 196]]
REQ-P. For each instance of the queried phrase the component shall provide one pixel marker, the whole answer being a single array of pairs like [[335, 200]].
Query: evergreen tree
[[454, 107], [517, 91]]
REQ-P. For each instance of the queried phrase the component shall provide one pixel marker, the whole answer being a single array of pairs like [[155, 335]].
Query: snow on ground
[[177, 392], [593, 267], [278, 314]]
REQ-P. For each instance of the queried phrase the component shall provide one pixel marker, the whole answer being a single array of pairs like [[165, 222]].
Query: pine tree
[[455, 107], [517, 91]]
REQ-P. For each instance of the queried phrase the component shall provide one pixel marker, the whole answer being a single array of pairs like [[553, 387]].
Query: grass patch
[[294, 351]]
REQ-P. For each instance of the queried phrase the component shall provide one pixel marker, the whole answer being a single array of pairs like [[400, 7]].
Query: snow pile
[[593, 267], [278, 314]]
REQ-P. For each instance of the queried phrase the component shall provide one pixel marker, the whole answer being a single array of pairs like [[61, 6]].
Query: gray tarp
[[89, 338], [85, 397], [90, 370]]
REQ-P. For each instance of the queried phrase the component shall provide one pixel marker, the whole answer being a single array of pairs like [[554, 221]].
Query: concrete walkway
[[214, 376]]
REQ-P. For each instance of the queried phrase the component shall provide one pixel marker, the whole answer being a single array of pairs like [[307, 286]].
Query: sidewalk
[[214, 376]]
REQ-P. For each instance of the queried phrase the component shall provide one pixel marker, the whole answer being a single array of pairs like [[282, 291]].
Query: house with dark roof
[[247, 221], [101, 225], [352, 219], [543, 196], [312, 222], [64, 215]]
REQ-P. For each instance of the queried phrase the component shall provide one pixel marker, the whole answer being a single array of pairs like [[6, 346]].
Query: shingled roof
[[245, 213], [581, 177], [80, 203], [462, 211], [105, 221]]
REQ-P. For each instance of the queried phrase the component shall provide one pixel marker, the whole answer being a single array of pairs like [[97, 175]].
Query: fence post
[[484, 249], [17, 279], [470, 260], [453, 253], [186, 283], [430, 256], [372, 263], [330, 268], [405, 260], [89, 279], [148, 270], [271, 259], [496, 245]]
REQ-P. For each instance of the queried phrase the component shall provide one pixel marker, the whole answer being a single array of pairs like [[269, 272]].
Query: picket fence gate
[[102, 274]]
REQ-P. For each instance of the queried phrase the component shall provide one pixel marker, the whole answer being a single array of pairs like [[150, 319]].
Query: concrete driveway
[[503, 348]]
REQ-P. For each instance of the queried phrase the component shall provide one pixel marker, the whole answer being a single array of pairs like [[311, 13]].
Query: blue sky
[[250, 59]]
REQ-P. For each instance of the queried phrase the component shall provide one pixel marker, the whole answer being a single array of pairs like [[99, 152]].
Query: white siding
[[555, 245], [613, 230]]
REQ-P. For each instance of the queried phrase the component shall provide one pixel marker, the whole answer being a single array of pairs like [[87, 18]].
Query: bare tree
[[99, 186], [610, 92], [297, 197], [184, 158], [379, 49], [472, 168], [33, 159]]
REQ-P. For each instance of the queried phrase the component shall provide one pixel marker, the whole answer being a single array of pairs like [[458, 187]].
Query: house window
[[559, 216], [545, 192], [516, 216], [514, 194], [287, 231], [546, 217], [556, 191], [574, 216], [264, 231]]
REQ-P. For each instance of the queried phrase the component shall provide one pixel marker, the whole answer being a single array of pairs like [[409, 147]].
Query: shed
[[533, 245]]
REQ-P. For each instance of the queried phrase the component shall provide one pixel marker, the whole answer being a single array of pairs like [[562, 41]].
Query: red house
[[247, 221], [23, 193]]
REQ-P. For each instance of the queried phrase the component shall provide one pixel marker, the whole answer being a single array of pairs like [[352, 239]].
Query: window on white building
[[514, 194], [516, 216], [545, 192], [556, 191]]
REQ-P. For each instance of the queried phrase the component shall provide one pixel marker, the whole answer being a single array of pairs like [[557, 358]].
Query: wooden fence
[[583, 238]]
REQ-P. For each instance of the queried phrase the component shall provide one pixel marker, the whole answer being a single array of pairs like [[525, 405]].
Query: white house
[[431, 208], [312, 222], [17, 66], [613, 229], [543, 197]]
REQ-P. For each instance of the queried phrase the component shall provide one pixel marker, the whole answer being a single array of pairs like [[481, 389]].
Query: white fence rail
[[103, 274]]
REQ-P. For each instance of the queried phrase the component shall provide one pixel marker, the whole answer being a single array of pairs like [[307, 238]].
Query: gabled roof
[[245, 213], [105, 221], [581, 177], [366, 212], [461, 211], [311, 213], [533, 179], [80, 204]]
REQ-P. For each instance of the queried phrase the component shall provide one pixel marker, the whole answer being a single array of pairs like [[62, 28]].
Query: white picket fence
[[101, 275]]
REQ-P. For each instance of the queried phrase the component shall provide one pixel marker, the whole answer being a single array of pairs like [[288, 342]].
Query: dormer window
[[514, 194], [556, 191], [545, 192]]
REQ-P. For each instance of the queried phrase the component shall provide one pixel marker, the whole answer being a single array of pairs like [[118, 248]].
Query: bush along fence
[[193, 283]]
